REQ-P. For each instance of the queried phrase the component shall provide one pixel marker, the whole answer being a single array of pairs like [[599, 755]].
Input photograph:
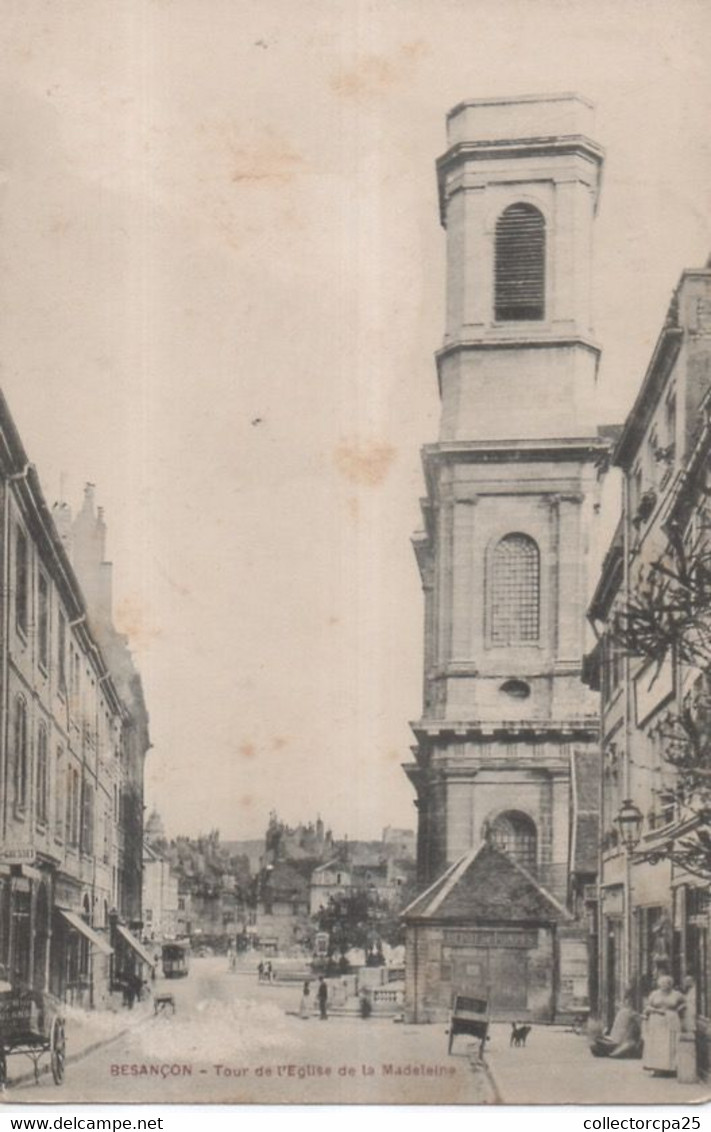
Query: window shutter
[[520, 264]]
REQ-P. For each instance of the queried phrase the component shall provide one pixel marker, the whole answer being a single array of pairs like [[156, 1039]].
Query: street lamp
[[629, 819]]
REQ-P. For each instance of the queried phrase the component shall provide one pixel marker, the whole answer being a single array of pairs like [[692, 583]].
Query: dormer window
[[520, 265]]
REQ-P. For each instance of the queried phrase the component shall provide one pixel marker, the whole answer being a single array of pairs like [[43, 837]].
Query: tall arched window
[[42, 776], [515, 833], [515, 591], [520, 265], [20, 744]]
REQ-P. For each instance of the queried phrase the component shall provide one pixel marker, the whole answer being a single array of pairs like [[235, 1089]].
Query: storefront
[[132, 962], [26, 896], [79, 950]]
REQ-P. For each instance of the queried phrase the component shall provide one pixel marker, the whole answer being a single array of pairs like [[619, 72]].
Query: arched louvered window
[[515, 591], [515, 834], [520, 271]]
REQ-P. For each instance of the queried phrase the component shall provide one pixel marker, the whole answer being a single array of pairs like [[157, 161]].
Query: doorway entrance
[[498, 974]]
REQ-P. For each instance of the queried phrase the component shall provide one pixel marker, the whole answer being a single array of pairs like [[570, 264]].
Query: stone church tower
[[505, 759]]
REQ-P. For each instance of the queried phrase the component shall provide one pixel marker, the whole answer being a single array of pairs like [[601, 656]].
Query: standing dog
[[519, 1034]]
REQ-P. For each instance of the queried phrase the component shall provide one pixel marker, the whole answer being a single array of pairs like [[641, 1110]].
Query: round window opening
[[517, 689]]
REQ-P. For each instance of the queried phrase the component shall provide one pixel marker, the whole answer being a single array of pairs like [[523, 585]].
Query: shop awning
[[135, 945], [75, 921], [659, 842]]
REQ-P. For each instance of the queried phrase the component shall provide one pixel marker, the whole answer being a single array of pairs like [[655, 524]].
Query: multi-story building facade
[[506, 745], [63, 757], [88, 553], [654, 912], [383, 881], [160, 896]]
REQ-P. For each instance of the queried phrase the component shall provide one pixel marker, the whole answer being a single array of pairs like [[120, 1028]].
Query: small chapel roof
[[483, 885]]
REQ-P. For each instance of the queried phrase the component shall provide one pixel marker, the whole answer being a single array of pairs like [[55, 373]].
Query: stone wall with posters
[[573, 973], [511, 967]]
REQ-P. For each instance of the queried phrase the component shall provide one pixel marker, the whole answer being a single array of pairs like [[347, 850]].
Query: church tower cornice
[[466, 153]]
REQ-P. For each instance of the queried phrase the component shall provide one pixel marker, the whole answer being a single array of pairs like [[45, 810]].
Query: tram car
[[175, 959]]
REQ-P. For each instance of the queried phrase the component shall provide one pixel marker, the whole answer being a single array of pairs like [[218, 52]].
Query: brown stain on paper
[[378, 74], [270, 158], [133, 623], [247, 750], [365, 463]]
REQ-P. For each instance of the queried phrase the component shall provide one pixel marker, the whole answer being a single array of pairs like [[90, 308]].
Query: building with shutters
[[505, 763], [65, 769], [655, 913]]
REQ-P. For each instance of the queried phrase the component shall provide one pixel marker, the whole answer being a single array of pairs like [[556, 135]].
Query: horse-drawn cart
[[31, 1023], [469, 1016]]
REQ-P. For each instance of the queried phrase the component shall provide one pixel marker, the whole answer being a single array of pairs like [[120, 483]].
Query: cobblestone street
[[234, 1040]]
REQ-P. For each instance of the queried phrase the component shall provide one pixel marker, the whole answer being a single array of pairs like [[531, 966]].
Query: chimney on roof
[[89, 558]]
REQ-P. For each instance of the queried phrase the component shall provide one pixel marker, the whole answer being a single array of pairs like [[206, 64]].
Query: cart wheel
[[3, 1068], [57, 1050]]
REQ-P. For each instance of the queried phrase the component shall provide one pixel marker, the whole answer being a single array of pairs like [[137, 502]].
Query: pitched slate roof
[[485, 885]]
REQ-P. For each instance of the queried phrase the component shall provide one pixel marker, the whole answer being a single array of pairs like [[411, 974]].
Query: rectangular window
[[670, 424], [21, 582], [611, 668], [42, 776], [72, 810], [59, 799], [652, 458], [62, 652], [75, 680], [87, 819], [22, 770], [43, 620]]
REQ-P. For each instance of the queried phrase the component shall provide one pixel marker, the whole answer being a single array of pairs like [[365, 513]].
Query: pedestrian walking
[[260, 972], [305, 1006], [322, 995]]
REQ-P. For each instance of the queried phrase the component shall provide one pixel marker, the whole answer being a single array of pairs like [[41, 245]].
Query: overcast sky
[[221, 285]]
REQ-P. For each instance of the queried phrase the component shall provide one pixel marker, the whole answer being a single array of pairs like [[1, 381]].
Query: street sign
[[18, 854]]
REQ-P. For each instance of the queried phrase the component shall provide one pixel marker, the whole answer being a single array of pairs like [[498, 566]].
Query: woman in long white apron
[[662, 1026]]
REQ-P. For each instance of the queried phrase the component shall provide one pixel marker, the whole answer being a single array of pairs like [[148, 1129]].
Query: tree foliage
[[668, 617]]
